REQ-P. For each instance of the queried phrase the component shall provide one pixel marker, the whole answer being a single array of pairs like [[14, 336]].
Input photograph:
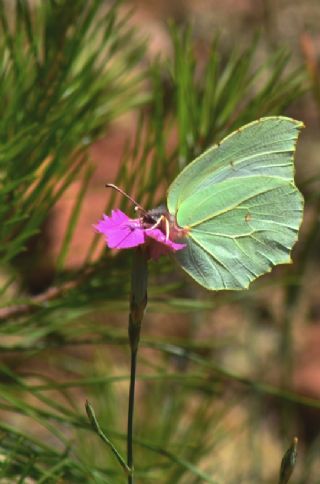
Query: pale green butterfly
[[239, 205]]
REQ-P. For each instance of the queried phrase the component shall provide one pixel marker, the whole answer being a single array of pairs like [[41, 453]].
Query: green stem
[[130, 415], [138, 302]]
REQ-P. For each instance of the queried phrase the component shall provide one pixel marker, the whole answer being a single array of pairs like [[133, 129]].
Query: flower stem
[[138, 302], [130, 415]]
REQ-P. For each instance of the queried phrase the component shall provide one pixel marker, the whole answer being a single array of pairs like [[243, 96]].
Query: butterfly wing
[[241, 205]]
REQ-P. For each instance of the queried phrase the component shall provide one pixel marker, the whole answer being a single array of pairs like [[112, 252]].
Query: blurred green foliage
[[68, 69], [64, 78]]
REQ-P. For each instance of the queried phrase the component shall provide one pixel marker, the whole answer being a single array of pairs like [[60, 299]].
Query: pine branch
[[40, 300]]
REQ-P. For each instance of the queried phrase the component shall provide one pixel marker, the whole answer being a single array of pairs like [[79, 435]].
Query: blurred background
[[94, 91]]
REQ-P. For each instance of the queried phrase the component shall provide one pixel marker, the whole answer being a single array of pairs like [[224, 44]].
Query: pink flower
[[122, 232]]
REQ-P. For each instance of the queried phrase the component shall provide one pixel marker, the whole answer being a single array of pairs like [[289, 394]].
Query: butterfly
[[231, 214]]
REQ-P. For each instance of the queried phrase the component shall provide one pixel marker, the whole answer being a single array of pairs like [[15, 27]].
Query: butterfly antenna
[[118, 189]]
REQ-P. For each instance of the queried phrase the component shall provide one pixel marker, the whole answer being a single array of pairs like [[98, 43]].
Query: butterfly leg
[[159, 222]]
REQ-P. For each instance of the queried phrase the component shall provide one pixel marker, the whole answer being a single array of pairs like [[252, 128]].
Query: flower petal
[[117, 218], [120, 231], [161, 245], [156, 234]]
